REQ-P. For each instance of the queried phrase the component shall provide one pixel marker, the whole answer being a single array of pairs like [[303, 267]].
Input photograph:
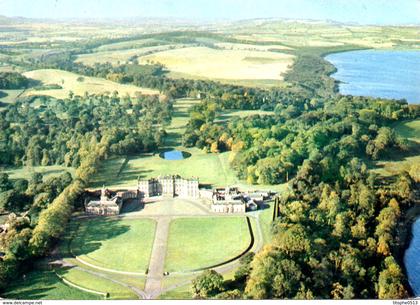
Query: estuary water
[[412, 259], [378, 73]]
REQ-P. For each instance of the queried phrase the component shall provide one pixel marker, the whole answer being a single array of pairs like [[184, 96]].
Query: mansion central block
[[169, 186]]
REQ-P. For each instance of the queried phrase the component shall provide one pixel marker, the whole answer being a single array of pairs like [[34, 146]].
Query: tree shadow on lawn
[[128, 174], [29, 288], [89, 236], [398, 155]]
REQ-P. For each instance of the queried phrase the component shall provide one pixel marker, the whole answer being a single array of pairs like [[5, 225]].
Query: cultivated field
[[72, 82], [202, 242], [123, 245], [209, 63]]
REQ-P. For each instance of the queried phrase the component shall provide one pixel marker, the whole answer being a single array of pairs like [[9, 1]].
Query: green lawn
[[201, 242], [46, 171], [409, 130], [179, 293], [123, 245], [45, 285], [210, 168], [96, 283]]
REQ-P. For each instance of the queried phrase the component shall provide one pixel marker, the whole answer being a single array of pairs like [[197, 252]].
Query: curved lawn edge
[[104, 269], [248, 248], [71, 284]]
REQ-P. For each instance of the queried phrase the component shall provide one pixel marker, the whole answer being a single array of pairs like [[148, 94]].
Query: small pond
[[174, 155]]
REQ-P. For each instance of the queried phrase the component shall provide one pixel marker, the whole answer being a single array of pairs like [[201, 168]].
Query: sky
[[359, 11]]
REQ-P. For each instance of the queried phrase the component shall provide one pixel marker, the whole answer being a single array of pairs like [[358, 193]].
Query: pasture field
[[409, 130], [86, 280], [201, 242], [116, 57], [402, 162], [217, 64], [123, 245], [69, 82], [250, 47], [47, 171], [45, 285], [296, 34], [130, 44]]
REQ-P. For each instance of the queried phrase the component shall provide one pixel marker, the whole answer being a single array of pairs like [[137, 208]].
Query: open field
[[250, 47], [45, 285], [11, 96], [69, 82], [116, 57], [230, 114], [123, 245], [411, 131], [130, 44], [46, 171], [298, 34], [201, 242], [224, 64]]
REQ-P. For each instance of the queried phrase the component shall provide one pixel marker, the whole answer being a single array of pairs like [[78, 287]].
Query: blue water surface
[[377, 73], [173, 155], [412, 259]]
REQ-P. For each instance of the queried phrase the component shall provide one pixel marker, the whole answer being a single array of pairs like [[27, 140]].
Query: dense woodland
[[74, 132], [336, 235], [331, 240], [13, 80]]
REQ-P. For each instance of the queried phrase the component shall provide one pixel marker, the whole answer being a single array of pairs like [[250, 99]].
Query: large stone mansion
[[169, 186], [220, 200]]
